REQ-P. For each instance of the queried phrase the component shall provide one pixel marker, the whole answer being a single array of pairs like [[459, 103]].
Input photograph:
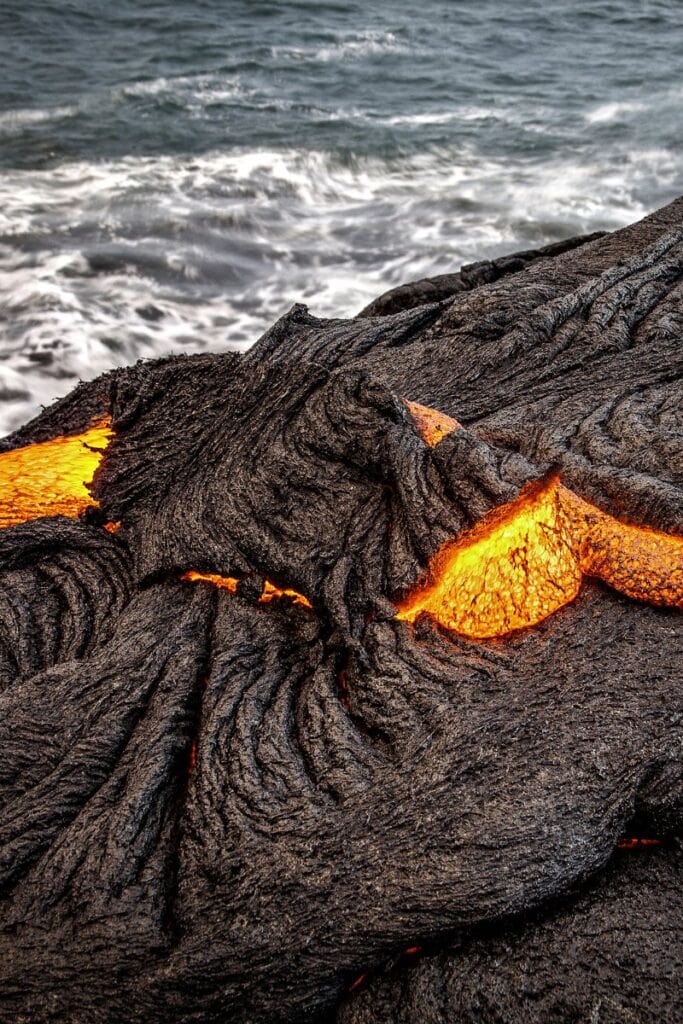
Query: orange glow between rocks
[[638, 843], [432, 426], [270, 591], [358, 981], [526, 560], [50, 478], [223, 582], [519, 565]]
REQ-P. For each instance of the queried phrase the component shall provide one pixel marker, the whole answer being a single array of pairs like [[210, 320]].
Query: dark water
[[174, 175]]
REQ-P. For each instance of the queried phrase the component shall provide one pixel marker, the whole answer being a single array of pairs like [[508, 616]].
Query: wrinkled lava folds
[[512, 570]]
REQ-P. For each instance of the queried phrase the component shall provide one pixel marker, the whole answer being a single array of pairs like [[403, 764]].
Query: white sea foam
[[613, 111], [105, 263], [10, 120], [353, 46], [433, 117], [459, 114], [201, 88]]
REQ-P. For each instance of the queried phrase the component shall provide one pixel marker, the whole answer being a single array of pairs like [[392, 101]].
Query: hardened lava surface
[[235, 777]]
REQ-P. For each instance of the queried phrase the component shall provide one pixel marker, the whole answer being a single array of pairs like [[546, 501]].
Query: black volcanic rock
[[218, 809], [446, 286], [592, 958]]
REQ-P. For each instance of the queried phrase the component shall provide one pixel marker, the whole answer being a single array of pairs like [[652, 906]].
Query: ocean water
[[173, 176]]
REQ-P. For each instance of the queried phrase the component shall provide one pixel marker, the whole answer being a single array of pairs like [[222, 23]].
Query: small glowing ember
[[528, 559], [50, 478], [433, 426], [637, 843], [224, 582], [411, 951], [270, 591]]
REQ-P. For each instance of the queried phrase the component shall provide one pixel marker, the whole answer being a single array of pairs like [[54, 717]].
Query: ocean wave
[[208, 88], [102, 263], [458, 114], [11, 120], [613, 111], [195, 93], [659, 100], [354, 46]]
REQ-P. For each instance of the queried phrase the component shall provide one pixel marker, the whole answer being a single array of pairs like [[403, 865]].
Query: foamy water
[[161, 203]]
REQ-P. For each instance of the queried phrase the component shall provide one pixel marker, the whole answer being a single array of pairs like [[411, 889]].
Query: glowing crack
[[527, 559]]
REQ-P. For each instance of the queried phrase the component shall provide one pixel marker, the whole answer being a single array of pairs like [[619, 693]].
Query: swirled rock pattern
[[213, 808], [591, 958]]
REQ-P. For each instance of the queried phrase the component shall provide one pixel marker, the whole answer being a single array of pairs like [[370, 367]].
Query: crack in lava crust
[[194, 826], [527, 560]]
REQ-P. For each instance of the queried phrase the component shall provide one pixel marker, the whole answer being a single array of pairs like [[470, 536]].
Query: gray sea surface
[[173, 176]]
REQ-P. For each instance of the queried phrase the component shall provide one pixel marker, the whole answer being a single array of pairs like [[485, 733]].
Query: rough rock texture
[[445, 286], [213, 809], [592, 959]]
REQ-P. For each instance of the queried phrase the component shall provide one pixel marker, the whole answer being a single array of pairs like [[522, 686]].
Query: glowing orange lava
[[50, 478], [270, 591], [432, 426], [527, 559], [224, 582], [638, 843], [514, 569]]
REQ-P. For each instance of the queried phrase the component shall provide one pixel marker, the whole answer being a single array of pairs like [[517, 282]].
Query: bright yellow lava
[[510, 572], [432, 426], [514, 569], [224, 582], [270, 591], [50, 478], [527, 559]]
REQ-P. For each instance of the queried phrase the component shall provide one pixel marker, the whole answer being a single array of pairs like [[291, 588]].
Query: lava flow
[[638, 843], [527, 559], [432, 425], [519, 565], [50, 478], [269, 593]]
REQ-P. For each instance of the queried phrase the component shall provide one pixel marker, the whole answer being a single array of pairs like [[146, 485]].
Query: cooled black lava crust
[[464, 795]]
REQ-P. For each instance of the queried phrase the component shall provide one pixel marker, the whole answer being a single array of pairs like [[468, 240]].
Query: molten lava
[[50, 478], [269, 593], [527, 559], [432, 426], [504, 574], [638, 843], [223, 582], [514, 569]]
